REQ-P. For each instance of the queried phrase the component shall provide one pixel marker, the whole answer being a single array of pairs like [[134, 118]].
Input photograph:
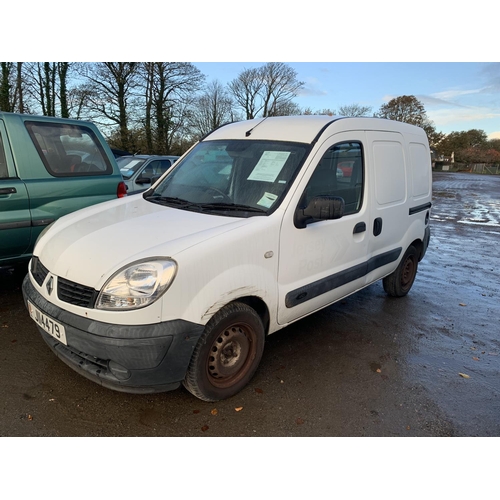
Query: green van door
[[15, 217]]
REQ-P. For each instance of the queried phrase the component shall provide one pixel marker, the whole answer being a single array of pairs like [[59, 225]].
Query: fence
[[484, 168], [476, 168]]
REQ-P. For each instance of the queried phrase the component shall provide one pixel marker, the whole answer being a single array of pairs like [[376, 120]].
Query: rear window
[[69, 150]]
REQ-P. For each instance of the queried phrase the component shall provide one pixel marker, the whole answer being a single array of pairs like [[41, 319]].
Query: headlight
[[137, 285]]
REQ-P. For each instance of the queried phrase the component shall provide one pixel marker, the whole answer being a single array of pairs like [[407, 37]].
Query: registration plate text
[[51, 326]]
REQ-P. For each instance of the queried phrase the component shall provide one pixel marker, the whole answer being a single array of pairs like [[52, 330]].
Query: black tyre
[[398, 283], [227, 354]]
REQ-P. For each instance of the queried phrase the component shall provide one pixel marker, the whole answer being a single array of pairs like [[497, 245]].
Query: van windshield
[[233, 177]]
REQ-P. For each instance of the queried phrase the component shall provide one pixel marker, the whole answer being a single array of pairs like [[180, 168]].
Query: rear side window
[[69, 150], [157, 167]]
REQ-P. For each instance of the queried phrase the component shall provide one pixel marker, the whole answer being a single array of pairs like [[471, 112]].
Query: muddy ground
[[424, 365]]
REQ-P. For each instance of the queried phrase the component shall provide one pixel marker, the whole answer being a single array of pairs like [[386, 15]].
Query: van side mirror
[[320, 208]]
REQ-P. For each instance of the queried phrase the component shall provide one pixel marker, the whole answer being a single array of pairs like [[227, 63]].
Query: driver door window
[[339, 173]]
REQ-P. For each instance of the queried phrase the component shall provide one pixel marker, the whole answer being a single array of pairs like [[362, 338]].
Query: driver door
[[325, 261]]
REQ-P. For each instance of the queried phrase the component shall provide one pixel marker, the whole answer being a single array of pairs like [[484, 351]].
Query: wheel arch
[[421, 245], [418, 244], [260, 307]]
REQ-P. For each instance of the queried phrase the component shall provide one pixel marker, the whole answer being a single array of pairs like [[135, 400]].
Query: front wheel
[[227, 354], [398, 283]]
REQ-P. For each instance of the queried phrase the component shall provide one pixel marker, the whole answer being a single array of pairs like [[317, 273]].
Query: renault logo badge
[[50, 285]]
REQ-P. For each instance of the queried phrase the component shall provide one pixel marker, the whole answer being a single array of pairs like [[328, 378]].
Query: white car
[[250, 231]]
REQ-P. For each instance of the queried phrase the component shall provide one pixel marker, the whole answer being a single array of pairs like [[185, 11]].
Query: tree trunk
[[48, 93], [62, 69], [5, 87], [149, 103], [20, 87]]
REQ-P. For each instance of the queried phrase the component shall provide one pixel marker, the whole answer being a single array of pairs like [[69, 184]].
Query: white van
[[260, 224]]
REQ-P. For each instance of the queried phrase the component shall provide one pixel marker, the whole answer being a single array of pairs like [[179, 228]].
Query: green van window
[[69, 150]]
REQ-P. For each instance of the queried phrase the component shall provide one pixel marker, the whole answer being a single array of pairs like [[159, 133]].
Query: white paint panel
[[390, 175], [420, 168]]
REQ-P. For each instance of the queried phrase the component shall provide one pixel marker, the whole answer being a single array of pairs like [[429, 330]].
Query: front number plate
[[48, 324]]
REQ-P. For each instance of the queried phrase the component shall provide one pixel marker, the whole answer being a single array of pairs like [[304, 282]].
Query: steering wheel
[[220, 193]]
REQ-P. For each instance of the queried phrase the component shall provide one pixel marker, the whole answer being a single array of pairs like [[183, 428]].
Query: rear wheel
[[398, 283], [227, 354]]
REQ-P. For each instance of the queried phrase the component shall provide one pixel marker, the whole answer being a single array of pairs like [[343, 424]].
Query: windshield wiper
[[170, 201], [218, 206], [231, 206]]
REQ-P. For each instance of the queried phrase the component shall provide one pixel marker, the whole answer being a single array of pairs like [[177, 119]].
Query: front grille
[[76, 294], [38, 271]]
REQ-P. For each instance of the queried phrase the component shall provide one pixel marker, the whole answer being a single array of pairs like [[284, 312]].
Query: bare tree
[[167, 89], [324, 111], [110, 95], [280, 88], [45, 84], [211, 110], [267, 90], [355, 110], [79, 101], [246, 89]]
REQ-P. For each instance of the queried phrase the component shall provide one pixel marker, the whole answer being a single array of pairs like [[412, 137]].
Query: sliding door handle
[[377, 226], [360, 227]]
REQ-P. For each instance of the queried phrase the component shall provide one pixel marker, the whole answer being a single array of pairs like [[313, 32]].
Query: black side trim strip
[[324, 285], [25, 223], [15, 225], [42, 222], [420, 208]]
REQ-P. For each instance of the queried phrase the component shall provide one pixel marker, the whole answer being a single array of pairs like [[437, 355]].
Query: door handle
[[377, 226], [360, 227], [8, 190]]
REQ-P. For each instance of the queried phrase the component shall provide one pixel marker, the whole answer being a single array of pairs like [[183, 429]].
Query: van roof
[[5, 115], [304, 128]]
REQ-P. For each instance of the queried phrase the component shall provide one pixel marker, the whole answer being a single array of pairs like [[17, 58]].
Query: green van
[[49, 167]]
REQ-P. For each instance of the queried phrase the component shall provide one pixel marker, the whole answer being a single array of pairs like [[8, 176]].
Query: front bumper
[[136, 359]]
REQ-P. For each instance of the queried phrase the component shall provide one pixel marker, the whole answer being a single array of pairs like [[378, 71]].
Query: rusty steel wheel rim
[[408, 272], [231, 355]]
